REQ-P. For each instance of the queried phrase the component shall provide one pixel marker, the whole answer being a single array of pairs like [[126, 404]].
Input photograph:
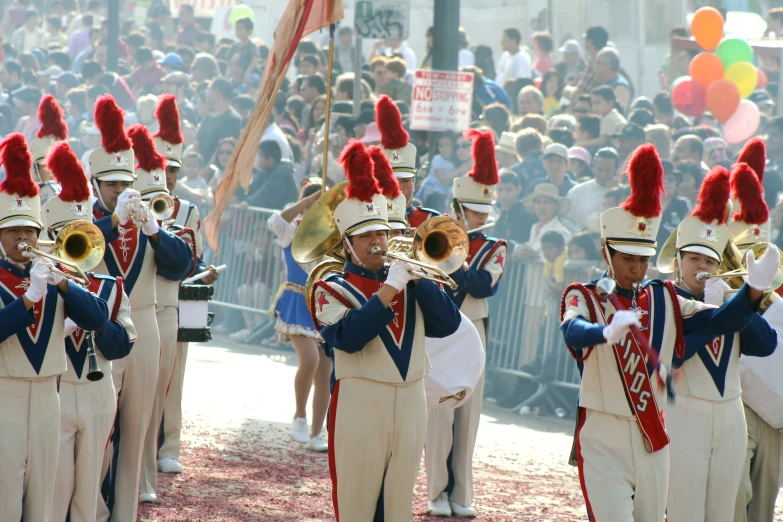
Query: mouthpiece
[[376, 251]]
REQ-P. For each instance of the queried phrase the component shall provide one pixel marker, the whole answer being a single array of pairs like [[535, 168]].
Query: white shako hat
[[151, 165], [390, 188], [168, 139], [477, 190], [704, 231], [73, 202], [20, 205], [632, 227], [751, 224], [364, 207], [394, 138], [53, 128], [113, 160]]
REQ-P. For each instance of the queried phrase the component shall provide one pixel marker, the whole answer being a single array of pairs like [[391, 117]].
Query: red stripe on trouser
[[580, 462], [332, 466]]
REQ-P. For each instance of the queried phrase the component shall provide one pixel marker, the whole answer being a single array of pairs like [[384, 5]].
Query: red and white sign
[[442, 101]]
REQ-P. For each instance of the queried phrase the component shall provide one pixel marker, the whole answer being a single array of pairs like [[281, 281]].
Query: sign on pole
[[384, 19], [442, 101]]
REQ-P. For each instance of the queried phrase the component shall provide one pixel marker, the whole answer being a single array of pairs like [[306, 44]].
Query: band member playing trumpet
[[707, 424], [87, 408], [401, 155], [53, 129], [621, 443], [168, 141], [373, 320], [34, 303], [396, 201], [136, 250], [451, 432]]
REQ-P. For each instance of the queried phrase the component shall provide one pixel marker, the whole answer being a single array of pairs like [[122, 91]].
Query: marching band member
[[53, 129], [621, 443], [136, 248], [762, 471], [402, 156], [151, 182], [86, 408], [396, 202], [706, 424], [35, 302], [294, 322], [451, 432], [373, 321], [168, 141]]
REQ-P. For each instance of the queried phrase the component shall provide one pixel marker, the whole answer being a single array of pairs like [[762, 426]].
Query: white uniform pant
[[172, 411], [707, 450], [135, 378], [87, 412], [376, 436], [762, 472], [451, 439], [168, 324], [29, 434], [621, 481]]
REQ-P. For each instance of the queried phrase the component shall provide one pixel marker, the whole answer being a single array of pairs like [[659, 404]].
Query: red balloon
[[763, 80], [723, 98], [689, 97]]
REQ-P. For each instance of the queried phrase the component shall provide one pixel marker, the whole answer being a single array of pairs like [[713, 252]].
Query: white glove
[[151, 227], [400, 274], [762, 272], [39, 282], [715, 290], [69, 328], [123, 204], [621, 323]]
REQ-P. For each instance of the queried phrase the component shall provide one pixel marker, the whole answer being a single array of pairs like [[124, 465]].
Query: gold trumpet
[[161, 207], [79, 247], [440, 247]]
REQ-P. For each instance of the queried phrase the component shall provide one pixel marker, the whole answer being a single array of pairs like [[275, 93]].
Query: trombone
[[161, 207], [440, 246]]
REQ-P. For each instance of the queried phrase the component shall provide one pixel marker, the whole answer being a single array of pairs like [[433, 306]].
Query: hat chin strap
[[354, 257], [679, 276], [463, 217], [96, 185], [20, 266], [609, 261]]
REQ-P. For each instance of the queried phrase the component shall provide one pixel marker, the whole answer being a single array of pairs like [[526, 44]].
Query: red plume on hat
[[50, 114], [645, 175], [18, 162], [110, 120], [167, 114], [384, 174], [485, 166], [713, 195], [68, 171], [389, 120], [746, 188], [147, 157], [357, 164], [754, 153]]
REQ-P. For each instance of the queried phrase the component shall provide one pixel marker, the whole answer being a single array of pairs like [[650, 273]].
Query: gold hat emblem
[[639, 226]]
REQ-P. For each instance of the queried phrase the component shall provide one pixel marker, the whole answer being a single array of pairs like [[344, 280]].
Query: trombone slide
[[440, 277]]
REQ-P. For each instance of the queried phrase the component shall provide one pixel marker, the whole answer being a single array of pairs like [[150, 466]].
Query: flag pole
[[327, 118]]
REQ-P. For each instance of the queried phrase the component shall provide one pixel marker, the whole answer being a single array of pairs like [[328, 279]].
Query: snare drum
[[457, 364], [194, 315]]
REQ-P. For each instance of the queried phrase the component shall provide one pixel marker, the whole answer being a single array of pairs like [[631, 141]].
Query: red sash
[[636, 381]]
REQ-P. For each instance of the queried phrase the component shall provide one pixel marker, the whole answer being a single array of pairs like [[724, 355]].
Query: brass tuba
[[318, 235]]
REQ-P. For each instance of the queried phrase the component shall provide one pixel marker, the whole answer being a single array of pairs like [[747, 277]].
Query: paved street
[[241, 464]]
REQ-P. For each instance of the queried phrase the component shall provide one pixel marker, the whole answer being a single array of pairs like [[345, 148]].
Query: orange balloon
[[705, 68], [707, 27], [723, 98]]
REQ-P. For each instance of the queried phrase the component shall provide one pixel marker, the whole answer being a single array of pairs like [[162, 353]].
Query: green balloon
[[241, 11], [733, 50]]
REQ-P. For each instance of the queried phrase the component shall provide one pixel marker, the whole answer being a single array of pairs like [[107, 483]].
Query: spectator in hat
[[222, 122], [188, 27], [579, 163], [171, 62], [607, 72], [29, 36], [26, 100], [147, 74], [514, 62], [555, 160], [572, 63], [549, 207], [628, 139], [506, 151], [587, 197]]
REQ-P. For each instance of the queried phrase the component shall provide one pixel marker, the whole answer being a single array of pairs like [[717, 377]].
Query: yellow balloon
[[744, 76]]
